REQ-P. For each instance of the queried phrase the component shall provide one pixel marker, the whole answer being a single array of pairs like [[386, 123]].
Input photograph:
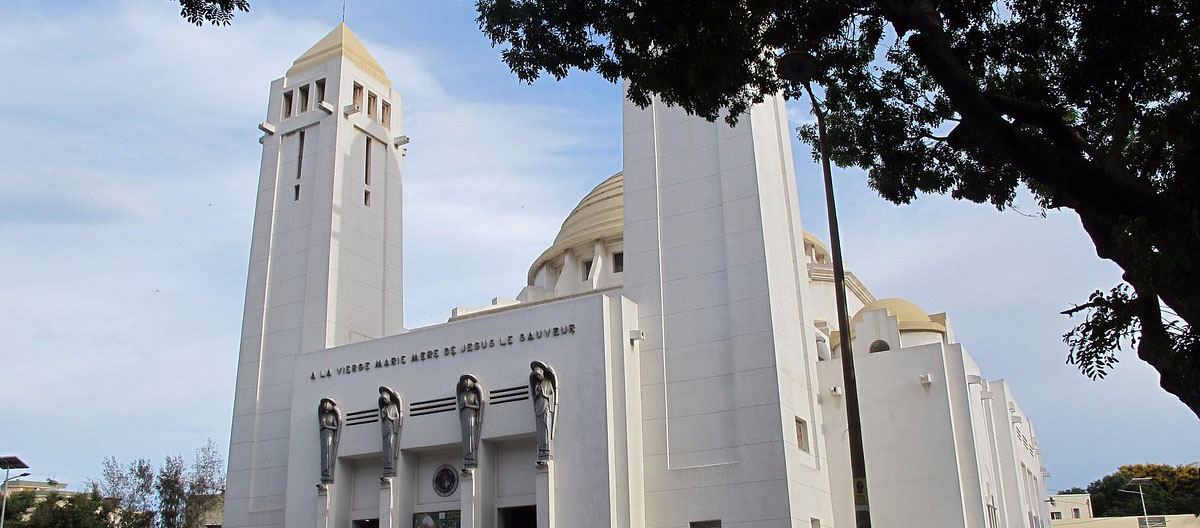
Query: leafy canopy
[[215, 12], [1174, 490], [1089, 105]]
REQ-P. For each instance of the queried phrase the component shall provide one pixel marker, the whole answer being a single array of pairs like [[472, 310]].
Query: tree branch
[[1077, 183]]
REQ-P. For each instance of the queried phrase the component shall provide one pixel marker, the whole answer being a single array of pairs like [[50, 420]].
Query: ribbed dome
[[599, 216], [909, 316]]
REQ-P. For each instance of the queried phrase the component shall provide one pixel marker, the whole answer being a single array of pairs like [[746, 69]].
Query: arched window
[[879, 346]]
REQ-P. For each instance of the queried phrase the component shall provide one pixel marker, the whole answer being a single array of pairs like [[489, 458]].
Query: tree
[[173, 496], [18, 503], [215, 12], [1090, 105], [205, 485], [84, 510], [132, 489], [1175, 490], [171, 487]]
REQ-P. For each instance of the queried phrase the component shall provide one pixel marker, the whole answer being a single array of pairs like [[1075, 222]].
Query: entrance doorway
[[518, 517], [365, 523]]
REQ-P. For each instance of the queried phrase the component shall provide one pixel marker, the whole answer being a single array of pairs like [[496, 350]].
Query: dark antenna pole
[[800, 67]]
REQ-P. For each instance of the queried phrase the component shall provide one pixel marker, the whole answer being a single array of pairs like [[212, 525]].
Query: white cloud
[[127, 198]]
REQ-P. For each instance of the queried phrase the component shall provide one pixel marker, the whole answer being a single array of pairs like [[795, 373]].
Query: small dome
[[909, 316], [820, 252], [599, 216]]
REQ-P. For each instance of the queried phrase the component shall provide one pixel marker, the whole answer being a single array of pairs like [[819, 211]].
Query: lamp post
[[799, 67], [1136, 481], [9, 463]]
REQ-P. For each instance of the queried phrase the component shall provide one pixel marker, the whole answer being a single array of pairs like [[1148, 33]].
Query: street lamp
[[1136, 481], [799, 67], [9, 463]]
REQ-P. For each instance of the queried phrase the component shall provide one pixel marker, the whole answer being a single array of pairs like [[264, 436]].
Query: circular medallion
[[445, 481]]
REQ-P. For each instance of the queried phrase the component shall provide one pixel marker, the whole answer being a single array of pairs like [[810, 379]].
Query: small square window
[[358, 90], [705, 524], [371, 104], [320, 90], [303, 100], [587, 269], [814, 522], [802, 434], [1055, 516], [618, 262], [367, 198], [385, 115], [287, 104], [1075, 513]]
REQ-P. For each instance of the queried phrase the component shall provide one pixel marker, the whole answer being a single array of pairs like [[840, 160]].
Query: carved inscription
[[456, 350]]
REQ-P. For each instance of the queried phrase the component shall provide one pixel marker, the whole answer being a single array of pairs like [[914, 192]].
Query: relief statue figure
[[543, 390], [391, 417], [470, 414], [330, 419]]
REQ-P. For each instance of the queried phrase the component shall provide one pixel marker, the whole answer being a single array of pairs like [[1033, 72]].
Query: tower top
[[341, 42]]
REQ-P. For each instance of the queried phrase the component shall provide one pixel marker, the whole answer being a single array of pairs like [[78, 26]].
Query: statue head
[[384, 396], [539, 373], [467, 382], [326, 405]]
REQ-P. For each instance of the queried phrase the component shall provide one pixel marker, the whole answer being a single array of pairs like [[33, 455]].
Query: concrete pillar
[[387, 503], [470, 500], [323, 506], [544, 477]]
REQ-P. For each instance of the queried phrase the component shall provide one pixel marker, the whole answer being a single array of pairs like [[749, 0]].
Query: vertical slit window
[[385, 115], [371, 98], [296, 192], [287, 104], [587, 269], [320, 90], [367, 164], [300, 156], [303, 100], [358, 89], [618, 262], [367, 198]]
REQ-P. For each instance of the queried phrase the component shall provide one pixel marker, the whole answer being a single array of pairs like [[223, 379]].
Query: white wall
[[714, 259], [939, 452], [588, 456]]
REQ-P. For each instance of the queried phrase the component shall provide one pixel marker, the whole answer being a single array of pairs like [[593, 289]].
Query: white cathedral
[[667, 365]]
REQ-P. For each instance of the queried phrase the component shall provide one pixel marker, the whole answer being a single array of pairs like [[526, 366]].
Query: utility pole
[[799, 67]]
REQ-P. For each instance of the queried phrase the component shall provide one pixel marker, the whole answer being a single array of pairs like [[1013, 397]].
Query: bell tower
[[326, 253]]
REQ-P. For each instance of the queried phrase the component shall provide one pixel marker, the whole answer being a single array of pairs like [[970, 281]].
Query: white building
[[685, 314], [944, 446], [1070, 506]]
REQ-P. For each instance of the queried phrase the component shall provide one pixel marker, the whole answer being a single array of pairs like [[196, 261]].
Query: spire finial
[[343, 11]]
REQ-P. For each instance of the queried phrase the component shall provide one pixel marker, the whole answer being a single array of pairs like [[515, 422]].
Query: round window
[[445, 481]]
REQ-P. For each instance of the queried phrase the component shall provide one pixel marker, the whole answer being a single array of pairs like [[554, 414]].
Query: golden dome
[[819, 249], [599, 216], [909, 316]]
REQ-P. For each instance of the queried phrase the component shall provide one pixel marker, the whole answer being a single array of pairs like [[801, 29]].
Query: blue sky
[[126, 196]]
